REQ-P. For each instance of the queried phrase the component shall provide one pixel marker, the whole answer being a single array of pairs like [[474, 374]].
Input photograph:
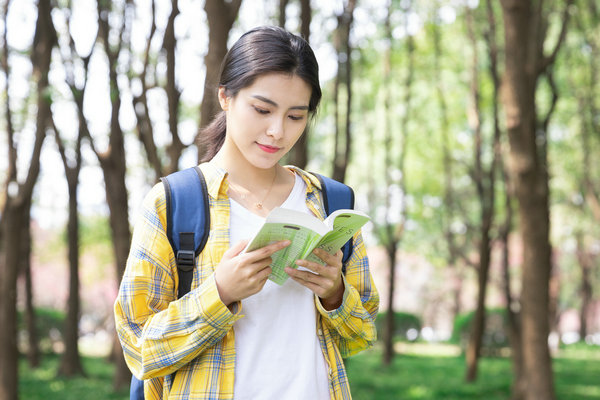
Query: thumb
[[236, 249]]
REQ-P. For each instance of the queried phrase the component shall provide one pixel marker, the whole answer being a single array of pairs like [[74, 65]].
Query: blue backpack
[[188, 227]]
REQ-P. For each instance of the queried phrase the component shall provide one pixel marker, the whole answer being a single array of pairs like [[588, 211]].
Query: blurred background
[[468, 129]]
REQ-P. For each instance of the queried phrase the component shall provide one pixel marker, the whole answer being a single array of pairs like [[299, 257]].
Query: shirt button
[[320, 332]]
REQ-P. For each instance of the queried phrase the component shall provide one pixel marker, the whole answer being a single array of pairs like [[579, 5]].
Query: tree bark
[[113, 165], [70, 364], [33, 348], [221, 15], [282, 12], [299, 153], [485, 182], [18, 197], [524, 31], [173, 93], [392, 233], [448, 163], [586, 264], [343, 79]]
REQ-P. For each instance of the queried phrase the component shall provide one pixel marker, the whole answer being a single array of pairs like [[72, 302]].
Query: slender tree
[[16, 205], [283, 12], [299, 154], [485, 182], [144, 124], [454, 250], [70, 364], [221, 14], [343, 82], [525, 25], [112, 161]]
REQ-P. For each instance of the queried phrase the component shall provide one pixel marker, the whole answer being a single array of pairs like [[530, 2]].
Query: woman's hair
[[260, 51]]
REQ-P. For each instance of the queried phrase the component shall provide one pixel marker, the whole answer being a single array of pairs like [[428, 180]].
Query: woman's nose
[[275, 128]]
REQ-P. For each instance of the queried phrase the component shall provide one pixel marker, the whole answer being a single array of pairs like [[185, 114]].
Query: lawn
[[412, 376], [436, 377]]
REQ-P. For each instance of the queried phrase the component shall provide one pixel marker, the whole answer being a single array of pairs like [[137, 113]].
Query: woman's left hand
[[324, 280]]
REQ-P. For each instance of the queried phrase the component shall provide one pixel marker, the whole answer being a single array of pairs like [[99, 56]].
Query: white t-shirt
[[278, 355]]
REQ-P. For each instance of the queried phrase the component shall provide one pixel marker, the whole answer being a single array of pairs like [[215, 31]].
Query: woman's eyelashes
[[263, 111]]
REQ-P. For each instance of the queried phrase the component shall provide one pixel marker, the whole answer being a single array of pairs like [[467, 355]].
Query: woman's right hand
[[240, 275]]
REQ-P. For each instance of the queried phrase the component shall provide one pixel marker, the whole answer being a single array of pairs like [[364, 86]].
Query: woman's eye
[[296, 117], [261, 110]]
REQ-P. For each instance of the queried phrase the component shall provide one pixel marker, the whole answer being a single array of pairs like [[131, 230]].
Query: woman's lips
[[268, 149]]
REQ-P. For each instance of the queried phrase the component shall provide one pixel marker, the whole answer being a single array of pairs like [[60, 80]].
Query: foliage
[[406, 325], [494, 336], [49, 326]]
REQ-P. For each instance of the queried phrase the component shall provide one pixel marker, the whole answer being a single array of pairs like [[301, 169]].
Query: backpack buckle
[[185, 260]]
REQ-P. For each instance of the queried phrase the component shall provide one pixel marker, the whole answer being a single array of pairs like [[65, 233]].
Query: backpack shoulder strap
[[337, 196], [188, 227], [188, 220]]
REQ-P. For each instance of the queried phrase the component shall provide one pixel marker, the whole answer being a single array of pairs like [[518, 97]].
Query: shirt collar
[[215, 179], [217, 184]]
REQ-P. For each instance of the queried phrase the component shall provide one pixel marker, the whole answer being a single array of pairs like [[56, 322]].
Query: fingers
[[267, 251], [236, 249]]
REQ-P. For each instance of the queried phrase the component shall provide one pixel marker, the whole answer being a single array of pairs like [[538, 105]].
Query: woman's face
[[265, 119]]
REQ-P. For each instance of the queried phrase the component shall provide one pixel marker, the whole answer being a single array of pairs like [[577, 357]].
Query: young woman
[[237, 335]]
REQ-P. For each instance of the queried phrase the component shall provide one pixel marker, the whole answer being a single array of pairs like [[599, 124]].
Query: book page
[[303, 230], [344, 224]]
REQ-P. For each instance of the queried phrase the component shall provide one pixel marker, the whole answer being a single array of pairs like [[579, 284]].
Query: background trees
[[412, 117]]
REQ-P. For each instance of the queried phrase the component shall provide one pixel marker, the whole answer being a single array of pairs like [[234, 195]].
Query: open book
[[306, 233]]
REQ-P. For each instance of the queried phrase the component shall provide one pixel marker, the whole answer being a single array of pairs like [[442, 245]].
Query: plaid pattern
[[193, 336]]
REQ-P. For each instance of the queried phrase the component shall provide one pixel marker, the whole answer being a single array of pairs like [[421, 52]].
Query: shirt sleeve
[[352, 325], [158, 332]]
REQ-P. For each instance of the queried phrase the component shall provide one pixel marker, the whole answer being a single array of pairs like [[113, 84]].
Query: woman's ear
[[223, 99]]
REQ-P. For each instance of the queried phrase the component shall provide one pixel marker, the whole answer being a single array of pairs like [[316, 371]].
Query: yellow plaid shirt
[[193, 336]]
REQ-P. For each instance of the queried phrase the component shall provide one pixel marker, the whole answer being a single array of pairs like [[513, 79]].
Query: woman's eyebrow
[[269, 101]]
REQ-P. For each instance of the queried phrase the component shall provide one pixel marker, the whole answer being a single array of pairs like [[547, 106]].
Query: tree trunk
[[8, 307], [393, 232], [16, 205], [524, 31], [485, 179], [282, 12], [113, 165], [449, 191], [513, 317], [173, 93], [388, 333], [343, 79], [221, 15], [586, 265], [33, 348], [70, 364], [299, 153]]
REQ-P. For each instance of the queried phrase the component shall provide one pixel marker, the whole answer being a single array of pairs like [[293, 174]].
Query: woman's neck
[[244, 174]]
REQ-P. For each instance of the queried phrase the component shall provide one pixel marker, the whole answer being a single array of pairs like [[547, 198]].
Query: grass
[[43, 384], [435, 377], [436, 374]]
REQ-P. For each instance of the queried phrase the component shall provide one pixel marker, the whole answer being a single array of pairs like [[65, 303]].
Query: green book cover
[[305, 232]]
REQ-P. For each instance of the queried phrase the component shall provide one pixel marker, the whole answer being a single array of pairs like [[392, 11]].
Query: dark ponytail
[[212, 136], [260, 51]]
